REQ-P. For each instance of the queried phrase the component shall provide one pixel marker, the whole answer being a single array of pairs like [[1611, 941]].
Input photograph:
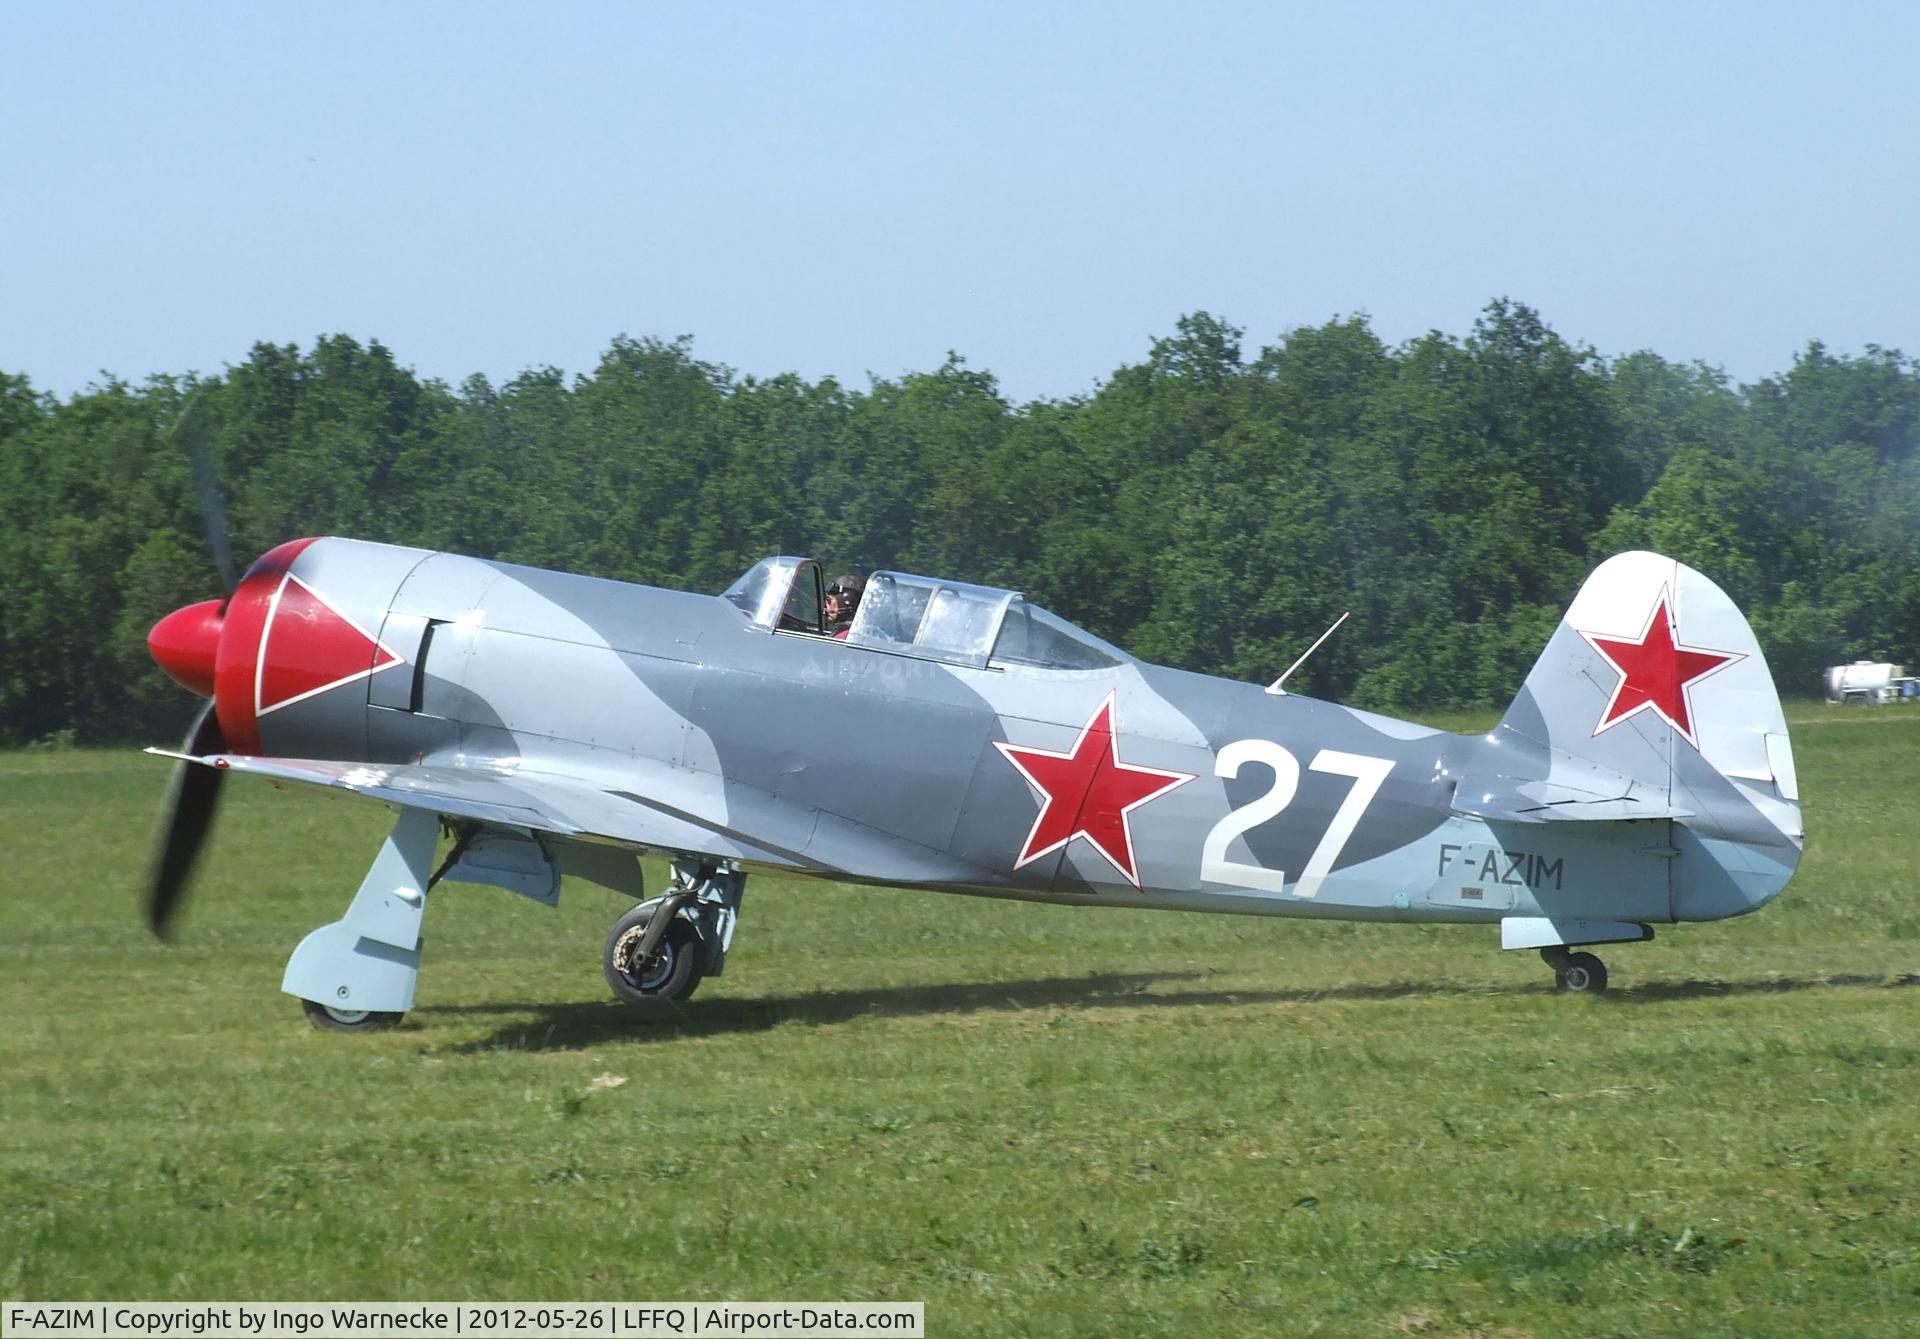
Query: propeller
[[188, 655], [191, 800], [192, 431]]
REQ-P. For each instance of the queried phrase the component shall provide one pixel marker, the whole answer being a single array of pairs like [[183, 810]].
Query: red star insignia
[[1657, 674], [1088, 792]]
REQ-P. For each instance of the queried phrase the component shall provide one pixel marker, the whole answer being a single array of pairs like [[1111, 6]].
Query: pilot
[[843, 598]]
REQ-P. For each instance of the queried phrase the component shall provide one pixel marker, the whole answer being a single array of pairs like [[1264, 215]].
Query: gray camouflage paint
[[592, 710]]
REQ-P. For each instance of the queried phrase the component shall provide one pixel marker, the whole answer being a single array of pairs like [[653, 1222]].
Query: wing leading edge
[[662, 813]]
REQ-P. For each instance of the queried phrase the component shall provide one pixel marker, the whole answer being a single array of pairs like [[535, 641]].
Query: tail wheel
[[329, 1019], [672, 972], [1583, 973]]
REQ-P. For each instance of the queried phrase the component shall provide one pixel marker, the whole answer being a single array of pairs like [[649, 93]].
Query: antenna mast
[[1275, 687]]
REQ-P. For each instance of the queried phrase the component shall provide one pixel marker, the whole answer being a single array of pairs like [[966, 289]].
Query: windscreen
[[782, 592], [750, 591]]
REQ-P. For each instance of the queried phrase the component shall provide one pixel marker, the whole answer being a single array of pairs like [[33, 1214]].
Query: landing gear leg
[[358, 973], [662, 949], [1575, 972]]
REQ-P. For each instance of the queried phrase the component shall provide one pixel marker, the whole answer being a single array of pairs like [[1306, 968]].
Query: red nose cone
[[185, 643]]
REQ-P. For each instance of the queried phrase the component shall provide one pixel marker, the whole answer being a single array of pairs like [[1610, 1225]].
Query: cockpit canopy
[[772, 595], [929, 617]]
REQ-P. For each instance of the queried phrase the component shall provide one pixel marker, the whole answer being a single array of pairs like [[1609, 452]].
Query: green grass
[[1038, 1120]]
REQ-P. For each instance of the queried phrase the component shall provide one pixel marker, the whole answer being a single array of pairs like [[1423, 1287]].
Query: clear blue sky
[[844, 189]]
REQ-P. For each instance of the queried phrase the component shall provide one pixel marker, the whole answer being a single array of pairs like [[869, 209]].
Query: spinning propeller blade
[[189, 814], [191, 432]]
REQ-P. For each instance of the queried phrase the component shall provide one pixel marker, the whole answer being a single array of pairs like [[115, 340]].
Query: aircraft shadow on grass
[[568, 1026], [1656, 992], [576, 1026]]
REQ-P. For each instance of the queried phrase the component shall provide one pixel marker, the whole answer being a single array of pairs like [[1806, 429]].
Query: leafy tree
[[1205, 508]]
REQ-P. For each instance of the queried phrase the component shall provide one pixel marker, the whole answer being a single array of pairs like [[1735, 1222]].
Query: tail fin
[[1654, 674]]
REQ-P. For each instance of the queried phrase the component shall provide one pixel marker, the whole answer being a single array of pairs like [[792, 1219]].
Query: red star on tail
[[1656, 672], [1088, 792]]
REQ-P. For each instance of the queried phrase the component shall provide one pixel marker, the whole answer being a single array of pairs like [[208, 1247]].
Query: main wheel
[[329, 1019], [672, 973], [1582, 972]]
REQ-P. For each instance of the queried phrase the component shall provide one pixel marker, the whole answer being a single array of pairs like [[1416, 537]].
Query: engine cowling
[[290, 641]]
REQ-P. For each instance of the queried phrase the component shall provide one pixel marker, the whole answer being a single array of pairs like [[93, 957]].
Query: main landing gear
[[358, 974], [1575, 972], [660, 951]]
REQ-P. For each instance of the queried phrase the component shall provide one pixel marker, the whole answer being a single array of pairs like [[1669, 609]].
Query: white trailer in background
[[1868, 682]]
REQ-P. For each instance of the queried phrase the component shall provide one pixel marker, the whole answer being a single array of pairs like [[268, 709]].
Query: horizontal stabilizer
[[1514, 800], [1544, 932]]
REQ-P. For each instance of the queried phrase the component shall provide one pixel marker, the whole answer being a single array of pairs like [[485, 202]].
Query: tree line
[[1210, 506]]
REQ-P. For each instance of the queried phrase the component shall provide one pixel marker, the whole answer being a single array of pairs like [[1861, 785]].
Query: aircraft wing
[[485, 796], [674, 811]]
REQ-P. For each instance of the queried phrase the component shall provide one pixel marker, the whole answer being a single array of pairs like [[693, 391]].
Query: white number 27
[[1368, 774]]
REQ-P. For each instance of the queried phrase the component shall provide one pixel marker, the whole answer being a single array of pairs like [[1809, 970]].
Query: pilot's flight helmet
[[849, 586]]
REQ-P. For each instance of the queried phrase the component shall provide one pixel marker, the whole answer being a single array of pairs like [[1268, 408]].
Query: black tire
[[672, 975], [1582, 973], [329, 1019]]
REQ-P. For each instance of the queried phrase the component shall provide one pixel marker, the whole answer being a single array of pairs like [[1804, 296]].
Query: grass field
[[1037, 1120]]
